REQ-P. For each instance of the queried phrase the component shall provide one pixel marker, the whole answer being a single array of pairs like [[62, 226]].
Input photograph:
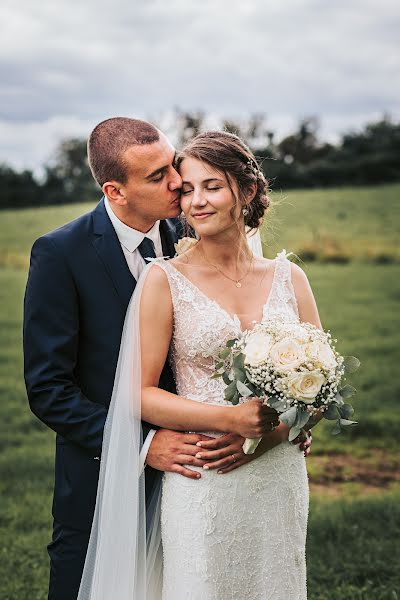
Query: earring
[[245, 212]]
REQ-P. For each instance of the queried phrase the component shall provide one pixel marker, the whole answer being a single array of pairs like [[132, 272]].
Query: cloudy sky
[[67, 64]]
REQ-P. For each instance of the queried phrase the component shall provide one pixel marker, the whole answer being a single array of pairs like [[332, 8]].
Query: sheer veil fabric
[[124, 556]]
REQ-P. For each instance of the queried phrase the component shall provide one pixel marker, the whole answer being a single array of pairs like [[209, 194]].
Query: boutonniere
[[184, 245]]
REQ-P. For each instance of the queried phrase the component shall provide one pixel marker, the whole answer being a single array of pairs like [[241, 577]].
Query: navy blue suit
[[78, 290]]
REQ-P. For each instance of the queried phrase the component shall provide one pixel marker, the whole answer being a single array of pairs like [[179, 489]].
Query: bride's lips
[[202, 216]]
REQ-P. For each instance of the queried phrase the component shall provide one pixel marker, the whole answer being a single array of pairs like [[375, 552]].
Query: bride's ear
[[251, 193]]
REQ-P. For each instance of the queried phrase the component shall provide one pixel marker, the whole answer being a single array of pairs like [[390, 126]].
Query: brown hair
[[108, 142], [228, 154]]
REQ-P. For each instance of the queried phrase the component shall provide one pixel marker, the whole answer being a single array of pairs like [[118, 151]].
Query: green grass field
[[355, 509]]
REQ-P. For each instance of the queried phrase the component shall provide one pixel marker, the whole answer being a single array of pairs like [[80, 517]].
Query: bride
[[223, 536]]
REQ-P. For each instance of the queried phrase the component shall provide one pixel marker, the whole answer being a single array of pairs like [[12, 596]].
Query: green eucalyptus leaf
[[254, 389], [240, 374], [337, 429], [238, 361], [230, 343], [346, 422], [243, 390], [216, 376], [331, 413], [273, 400], [346, 411], [347, 391], [235, 399], [302, 418], [293, 433], [230, 391], [338, 399], [289, 416], [224, 353], [351, 363], [219, 366], [226, 378], [280, 406]]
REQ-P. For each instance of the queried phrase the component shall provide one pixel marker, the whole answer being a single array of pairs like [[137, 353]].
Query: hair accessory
[[254, 167]]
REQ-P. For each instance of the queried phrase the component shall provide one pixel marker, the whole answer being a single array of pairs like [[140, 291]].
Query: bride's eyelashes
[[186, 192]]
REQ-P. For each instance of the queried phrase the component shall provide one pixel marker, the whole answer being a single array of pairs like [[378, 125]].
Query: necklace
[[237, 282]]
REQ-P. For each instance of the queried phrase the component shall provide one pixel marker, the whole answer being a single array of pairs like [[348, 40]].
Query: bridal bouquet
[[295, 368]]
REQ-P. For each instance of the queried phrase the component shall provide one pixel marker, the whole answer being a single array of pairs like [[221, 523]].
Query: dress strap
[[283, 297], [178, 284]]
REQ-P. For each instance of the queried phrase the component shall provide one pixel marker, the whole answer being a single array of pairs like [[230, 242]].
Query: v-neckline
[[233, 318]]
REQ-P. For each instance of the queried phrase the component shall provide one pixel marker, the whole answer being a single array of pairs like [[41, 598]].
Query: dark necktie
[[146, 249]]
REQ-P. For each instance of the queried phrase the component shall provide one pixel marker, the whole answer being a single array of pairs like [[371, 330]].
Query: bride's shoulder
[[156, 276]]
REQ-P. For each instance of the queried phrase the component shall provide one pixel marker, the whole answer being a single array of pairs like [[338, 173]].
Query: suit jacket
[[78, 290]]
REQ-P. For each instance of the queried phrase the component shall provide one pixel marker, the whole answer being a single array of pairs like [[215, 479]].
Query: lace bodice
[[193, 349]]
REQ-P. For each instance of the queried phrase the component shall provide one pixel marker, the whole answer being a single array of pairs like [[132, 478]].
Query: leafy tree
[[69, 173], [18, 189]]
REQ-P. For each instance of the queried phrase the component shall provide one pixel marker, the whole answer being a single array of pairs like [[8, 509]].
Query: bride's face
[[206, 198]]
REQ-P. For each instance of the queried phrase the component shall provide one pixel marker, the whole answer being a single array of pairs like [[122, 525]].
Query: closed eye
[[159, 177]]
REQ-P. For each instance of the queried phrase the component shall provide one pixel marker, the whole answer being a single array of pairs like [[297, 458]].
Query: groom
[[80, 282]]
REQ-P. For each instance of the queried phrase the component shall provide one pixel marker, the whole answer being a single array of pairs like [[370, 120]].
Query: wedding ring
[[233, 457]]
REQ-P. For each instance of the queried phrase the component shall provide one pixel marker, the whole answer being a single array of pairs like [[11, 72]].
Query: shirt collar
[[130, 238]]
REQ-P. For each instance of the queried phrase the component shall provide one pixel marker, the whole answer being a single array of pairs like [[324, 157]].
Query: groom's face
[[152, 189]]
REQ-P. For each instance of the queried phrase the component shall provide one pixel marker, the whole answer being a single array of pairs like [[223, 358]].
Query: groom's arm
[[51, 338]]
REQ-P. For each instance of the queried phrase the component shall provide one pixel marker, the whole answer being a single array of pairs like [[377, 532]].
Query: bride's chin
[[208, 230]]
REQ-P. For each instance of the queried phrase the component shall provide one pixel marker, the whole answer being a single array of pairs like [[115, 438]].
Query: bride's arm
[[308, 311], [169, 410]]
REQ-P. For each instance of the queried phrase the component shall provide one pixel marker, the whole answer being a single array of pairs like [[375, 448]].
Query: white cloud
[[66, 65]]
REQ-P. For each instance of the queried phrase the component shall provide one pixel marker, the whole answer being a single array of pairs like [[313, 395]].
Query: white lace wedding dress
[[242, 535]]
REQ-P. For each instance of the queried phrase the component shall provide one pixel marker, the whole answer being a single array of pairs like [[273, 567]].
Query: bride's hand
[[253, 419]]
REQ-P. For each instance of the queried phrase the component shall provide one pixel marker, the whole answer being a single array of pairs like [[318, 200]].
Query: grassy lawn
[[355, 508]]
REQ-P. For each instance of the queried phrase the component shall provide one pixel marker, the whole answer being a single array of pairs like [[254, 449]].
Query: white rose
[[305, 386], [184, 245], [321, 354], [257, 349], [287, 354]]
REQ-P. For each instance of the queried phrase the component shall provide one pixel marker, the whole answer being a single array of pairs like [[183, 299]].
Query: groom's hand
[[171, 450], [226, 453]]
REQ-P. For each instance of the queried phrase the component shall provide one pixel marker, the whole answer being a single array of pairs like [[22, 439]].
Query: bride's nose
[[199, 198]]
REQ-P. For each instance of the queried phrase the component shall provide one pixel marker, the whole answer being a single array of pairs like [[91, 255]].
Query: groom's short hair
[[108, 142]]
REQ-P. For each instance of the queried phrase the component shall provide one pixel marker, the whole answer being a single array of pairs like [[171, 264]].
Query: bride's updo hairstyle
[[228, 154]]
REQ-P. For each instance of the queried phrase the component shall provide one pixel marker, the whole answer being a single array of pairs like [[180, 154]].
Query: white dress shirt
[[130, 239]]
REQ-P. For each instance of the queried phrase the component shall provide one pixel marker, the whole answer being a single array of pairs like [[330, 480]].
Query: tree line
[[299, 160]]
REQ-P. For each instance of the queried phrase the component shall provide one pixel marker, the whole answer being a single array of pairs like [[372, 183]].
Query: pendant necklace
[[237, 282]]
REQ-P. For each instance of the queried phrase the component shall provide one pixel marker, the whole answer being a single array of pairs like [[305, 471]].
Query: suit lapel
[[108, 248]]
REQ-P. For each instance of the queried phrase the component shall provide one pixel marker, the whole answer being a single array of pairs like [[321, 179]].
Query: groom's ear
[[113, 191]]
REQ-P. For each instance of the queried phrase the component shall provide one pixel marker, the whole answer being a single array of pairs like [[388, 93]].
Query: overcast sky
[[66, 65]]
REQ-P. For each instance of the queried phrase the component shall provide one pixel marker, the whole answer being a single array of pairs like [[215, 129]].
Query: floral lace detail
[[283, 301], [237, 536]]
